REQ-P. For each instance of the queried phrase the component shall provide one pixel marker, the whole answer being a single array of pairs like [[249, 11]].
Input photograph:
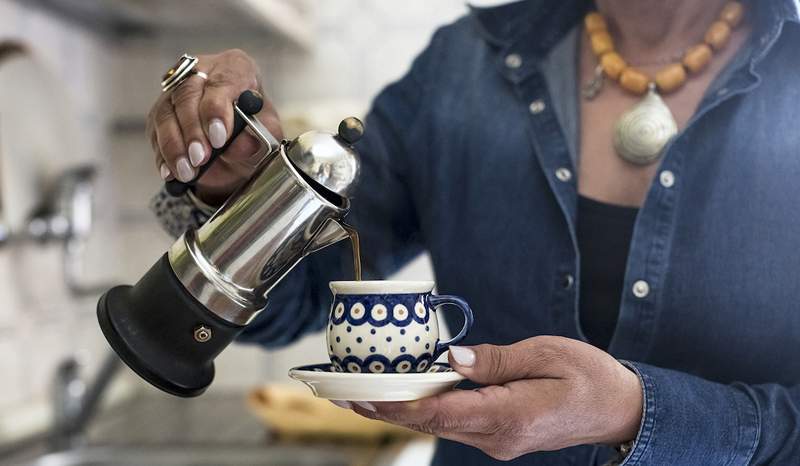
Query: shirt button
[[537, 106], [563, 174], [641, 289], [568, 281], [667, 178], [513, 60]]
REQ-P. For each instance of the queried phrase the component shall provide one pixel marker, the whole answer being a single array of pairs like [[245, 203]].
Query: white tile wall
[[40, 323], [361, 45]]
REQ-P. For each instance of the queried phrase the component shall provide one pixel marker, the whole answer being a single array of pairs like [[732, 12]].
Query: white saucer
[[325, 383]]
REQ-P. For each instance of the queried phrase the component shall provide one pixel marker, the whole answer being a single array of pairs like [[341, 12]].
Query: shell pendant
[[641, 133]]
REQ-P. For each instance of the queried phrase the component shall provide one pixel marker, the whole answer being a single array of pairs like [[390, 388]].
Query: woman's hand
[[185, 124], [543, 393]]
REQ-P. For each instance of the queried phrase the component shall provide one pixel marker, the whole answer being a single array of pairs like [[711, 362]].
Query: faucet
[[75, 402], [66, 215]]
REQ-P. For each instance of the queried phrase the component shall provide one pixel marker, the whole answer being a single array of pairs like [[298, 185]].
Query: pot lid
[[329, 159]]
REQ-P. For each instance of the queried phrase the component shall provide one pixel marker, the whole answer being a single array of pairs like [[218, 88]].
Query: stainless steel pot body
[[265, 228]]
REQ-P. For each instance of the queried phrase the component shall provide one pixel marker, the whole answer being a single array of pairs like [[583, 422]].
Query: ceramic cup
[[388, 326]]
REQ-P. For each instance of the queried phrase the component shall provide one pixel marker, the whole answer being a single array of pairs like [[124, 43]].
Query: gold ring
[[184, 68]]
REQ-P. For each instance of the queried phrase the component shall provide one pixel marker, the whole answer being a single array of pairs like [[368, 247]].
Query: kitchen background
[[76, 95]]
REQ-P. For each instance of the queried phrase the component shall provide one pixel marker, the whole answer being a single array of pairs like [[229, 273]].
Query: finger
[[342, 404], [170, 142], [186, 102], [456, 411], [537, 357], [161, 166], [216, 106], [246, 148], [163, 169]]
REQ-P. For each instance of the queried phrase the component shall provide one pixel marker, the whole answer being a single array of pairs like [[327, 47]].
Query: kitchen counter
[[153, 423], [156, 419]]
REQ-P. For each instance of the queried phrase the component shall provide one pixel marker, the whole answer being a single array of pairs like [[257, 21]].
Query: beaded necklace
[[641, 133]]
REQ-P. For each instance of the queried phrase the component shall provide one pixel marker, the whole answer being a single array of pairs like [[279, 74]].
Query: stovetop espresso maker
[[213, 281]]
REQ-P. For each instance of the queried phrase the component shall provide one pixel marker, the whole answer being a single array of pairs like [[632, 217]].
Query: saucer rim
[[297, 372], [375, 287]]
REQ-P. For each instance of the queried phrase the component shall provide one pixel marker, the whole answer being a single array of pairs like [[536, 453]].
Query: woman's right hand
[[184, 124]]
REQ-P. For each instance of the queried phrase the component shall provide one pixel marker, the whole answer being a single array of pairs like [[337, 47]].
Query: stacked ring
[[180, 72]]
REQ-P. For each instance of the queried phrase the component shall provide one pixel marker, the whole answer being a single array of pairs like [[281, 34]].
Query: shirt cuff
[[690, 420], [176, 214]]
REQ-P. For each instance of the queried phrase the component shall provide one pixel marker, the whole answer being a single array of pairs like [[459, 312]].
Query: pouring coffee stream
[[355, 245], [214, 280]]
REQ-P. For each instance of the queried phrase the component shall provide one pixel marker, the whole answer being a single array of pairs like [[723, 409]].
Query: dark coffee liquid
[[356, 246]]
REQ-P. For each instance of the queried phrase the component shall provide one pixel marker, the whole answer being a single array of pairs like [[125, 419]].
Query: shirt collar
[[539, 23], [535, 26], [526, 31]]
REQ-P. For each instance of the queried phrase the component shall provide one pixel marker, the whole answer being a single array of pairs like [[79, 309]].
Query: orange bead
[[718, 34], [601, 43], [612, 64], [670, 77], [732, 13], [697, 57], [594, 22], [633, 80]]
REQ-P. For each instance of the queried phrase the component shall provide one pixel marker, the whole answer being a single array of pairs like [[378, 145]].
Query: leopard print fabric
[[178, 214]]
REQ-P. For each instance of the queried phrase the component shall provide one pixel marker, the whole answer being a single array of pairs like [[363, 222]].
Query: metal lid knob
[[351, 129]]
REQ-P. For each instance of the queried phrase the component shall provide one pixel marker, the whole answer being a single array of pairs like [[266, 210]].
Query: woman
[[673, 255]]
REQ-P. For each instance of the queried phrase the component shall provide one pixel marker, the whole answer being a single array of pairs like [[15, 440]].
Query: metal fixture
[[66, 216], [75, 402], [202, 334], [178, 73]]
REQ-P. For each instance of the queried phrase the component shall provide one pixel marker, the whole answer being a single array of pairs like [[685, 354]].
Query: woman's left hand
[[543, 393]]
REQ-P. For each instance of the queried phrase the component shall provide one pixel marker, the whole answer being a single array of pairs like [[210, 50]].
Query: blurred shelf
[[285, 19]]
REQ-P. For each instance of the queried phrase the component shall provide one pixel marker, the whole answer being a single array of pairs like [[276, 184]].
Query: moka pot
[[214, 280]]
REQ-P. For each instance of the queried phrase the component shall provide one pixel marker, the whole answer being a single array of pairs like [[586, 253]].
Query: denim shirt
[[468, 157]]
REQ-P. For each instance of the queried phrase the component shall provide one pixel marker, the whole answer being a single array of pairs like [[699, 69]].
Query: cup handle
[[440, 300]]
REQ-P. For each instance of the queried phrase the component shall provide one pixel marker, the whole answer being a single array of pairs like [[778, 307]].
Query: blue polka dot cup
[[388, 326]]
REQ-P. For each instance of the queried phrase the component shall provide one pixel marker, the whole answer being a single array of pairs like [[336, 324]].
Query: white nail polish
[[197, 153], [366, 405], [463, 356], [185, 171], [164, 171], [217, 134], [342, 404]]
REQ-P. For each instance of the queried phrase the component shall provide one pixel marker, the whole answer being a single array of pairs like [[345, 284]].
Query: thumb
[[490, 364], [534, 358]]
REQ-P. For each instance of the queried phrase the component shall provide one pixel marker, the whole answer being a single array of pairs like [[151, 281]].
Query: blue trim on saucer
[[328, 368]]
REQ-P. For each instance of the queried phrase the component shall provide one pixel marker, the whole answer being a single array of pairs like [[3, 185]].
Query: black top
[[604, 237]]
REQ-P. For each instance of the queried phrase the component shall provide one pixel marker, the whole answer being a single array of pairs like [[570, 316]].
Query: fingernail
[[185, 171], [366, 405], [164, 171], [342, 404], [463, 356], [217, 134], [197, 153]]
